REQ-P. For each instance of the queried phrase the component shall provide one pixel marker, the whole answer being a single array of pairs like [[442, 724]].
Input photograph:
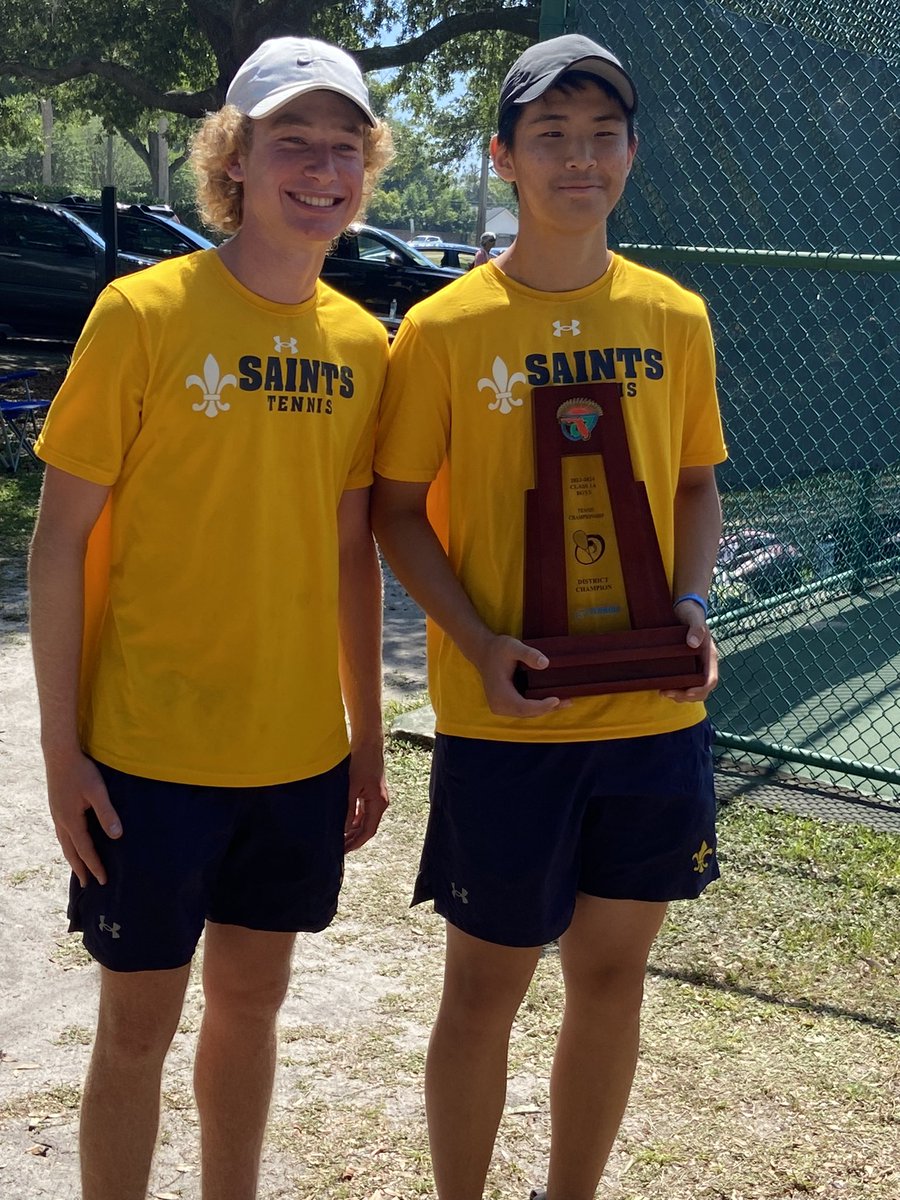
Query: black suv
[[51, 268], [150, 230], [370, 265], [382, 273]]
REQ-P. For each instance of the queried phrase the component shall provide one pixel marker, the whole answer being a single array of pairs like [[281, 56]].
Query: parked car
[[151, 230], [383, 273], [52, 267], [751, 565], [424, 239], [451, 254]]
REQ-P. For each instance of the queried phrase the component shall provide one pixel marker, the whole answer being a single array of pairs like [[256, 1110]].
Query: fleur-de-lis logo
[[701, 858], [502, 385], [211, 386]]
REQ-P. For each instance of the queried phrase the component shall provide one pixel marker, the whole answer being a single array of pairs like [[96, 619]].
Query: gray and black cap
[[538, 68]]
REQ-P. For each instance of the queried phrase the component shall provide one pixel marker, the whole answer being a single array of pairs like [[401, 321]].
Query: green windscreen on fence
[[767, 180]]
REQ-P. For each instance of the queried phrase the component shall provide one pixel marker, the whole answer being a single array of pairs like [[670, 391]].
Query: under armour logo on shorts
[[462, 894], [113, 929]]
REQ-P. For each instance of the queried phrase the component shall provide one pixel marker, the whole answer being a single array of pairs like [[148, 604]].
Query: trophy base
[[632, 660]]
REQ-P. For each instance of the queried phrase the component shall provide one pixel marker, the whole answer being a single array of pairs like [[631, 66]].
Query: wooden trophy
[[597, 600]]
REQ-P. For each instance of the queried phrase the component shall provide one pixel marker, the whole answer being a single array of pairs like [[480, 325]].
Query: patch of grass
[[19, 495], [769, 1061], [74, 1035], [805, 913], [70, 953], [24, 875], [397, 706], [49, 1102]]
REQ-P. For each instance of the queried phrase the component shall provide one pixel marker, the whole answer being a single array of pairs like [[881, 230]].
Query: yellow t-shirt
[[456, 411], [228, 427]]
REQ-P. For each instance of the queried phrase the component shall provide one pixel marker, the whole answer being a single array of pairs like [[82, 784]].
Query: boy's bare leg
[[604, 958], [139, 1014], [245, 978], [465, 1073]]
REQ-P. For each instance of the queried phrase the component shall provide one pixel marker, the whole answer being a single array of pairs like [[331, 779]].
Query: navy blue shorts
[[269, 858], [518, 829]]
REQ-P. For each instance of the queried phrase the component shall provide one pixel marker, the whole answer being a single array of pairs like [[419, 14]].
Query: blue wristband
[[696, 599]]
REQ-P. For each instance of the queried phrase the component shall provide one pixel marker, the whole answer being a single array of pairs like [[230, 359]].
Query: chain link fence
[[767, 180]]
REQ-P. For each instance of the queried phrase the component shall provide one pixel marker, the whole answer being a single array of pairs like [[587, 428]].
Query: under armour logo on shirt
[[559, 329], [285, 344]]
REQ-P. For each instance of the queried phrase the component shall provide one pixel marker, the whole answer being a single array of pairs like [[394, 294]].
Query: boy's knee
[[230, 997], [136, 1039]]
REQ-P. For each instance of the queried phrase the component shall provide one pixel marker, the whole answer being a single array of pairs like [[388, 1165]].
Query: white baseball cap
[[285, 67]]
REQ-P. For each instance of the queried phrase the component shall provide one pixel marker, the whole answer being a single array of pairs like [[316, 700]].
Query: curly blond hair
[[226, 134]]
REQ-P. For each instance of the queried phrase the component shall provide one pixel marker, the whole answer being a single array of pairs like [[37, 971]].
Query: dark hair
[[569, 81]]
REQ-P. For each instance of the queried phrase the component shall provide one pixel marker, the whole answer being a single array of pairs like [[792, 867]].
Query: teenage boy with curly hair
[[206, 600]]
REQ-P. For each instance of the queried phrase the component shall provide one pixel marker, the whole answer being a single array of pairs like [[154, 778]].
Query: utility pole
[[47, 137], [481, 215]]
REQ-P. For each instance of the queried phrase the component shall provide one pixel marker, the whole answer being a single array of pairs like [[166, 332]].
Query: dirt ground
[[49, 987]]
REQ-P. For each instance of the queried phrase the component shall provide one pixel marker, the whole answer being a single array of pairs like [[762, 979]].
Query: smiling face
[[303, 174], [569, 157]]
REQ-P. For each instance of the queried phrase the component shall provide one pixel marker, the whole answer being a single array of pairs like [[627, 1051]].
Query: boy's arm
[[414, 552], [359, 615], [69, 510], [698, 528]]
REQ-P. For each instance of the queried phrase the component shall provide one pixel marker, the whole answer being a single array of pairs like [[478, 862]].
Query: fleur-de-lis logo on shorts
[[701, 858], [211, 385], [502, 386]]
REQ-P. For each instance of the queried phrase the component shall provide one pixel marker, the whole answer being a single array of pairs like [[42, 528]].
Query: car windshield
[[399, 246], [83, 226]]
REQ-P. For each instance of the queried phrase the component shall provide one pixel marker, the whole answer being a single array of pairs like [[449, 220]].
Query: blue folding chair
[[20, 420]]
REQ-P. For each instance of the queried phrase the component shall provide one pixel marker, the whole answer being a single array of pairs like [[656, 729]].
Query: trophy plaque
[[597, 601]]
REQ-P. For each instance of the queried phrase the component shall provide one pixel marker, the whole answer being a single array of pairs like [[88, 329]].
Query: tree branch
[[137, 146], [524, 20], [189, 104]]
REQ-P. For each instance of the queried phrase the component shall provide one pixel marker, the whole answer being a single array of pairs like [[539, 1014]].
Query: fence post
[[553, 18], [864, 524]]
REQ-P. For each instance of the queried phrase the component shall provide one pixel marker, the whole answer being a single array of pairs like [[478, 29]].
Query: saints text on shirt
[[595, 365], [295, 384]]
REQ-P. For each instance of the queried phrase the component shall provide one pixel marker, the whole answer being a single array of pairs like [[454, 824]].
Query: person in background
[[483, 253]]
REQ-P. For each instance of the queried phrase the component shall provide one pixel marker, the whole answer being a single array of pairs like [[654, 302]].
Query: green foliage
[[126, 62], [414, 194], [456, 91], [19, 495], [79, 162], [500, 193], [20, 123], [123, 59]]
